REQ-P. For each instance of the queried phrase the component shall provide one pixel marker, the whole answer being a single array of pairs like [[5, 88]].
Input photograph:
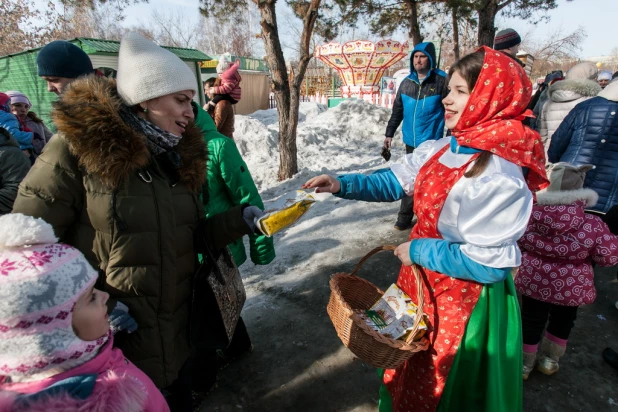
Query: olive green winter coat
[[103, 192], [229, 183]]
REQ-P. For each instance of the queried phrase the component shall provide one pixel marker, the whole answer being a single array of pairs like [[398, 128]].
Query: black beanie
[[63, 59], [506, 39]]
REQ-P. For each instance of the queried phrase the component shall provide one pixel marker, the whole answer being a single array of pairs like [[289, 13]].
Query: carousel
[[361, 64]]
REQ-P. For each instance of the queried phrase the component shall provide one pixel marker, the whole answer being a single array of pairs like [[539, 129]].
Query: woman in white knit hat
[[120, 182]]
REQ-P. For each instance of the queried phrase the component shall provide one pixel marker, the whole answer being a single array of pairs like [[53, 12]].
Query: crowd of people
[[89, 321]]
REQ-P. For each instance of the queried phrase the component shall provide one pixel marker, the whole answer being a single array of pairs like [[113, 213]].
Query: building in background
[[255, 82], [19, 71]]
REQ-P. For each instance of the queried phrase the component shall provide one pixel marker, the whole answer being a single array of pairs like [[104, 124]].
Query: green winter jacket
[[229, 184]]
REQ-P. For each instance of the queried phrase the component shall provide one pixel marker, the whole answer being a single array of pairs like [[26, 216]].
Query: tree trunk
[[287, 88], [487, 17], [288, 123], [455, 33], [276, 62], [414, 30]]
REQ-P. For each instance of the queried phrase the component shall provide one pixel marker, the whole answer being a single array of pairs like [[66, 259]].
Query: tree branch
[[503, 5]]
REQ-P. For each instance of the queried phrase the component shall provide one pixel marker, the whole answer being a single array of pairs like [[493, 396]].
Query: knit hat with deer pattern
[[40, 282]]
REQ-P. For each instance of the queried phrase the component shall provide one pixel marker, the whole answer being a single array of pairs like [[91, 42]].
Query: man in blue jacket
[[419, 105]]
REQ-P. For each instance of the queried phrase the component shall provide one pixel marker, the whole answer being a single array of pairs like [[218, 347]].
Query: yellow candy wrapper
[[284, 212], [393, 315]]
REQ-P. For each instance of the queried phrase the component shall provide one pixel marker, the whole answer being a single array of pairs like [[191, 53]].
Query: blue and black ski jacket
[[419, 103]]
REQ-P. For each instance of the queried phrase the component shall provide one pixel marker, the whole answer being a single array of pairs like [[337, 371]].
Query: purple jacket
[[559, 247]]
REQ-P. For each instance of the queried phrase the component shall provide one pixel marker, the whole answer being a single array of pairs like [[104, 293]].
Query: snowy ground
[[299, 363], [344, 139]]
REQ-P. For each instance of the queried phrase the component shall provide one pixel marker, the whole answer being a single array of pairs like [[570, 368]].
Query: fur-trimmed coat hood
[[563, 96], [87, 116], [578, 200], [567, 197], [569, 90]]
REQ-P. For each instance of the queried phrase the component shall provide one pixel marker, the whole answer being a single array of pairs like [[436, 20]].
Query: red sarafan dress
[[474, 360]]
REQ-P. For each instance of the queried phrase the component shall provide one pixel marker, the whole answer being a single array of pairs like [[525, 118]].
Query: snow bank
[[345, 138], [306, 111]]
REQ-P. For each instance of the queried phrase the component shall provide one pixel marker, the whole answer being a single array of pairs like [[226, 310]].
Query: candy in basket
[[393, 315]]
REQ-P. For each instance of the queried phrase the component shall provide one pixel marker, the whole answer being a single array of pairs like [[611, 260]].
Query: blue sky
[[598, 17]]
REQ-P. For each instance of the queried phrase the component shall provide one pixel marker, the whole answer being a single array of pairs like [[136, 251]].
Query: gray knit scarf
[[158, 140]]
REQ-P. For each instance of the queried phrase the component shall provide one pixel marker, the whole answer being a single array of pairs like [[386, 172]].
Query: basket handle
[[419, 287], [368, 255]]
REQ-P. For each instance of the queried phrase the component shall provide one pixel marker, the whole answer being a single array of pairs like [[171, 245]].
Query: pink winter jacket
[[230, 82], [120, 387], [559, 246]]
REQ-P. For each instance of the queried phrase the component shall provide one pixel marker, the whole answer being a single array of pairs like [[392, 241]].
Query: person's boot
[[611, 357], [529, 362], [402, 224], [550, 354]]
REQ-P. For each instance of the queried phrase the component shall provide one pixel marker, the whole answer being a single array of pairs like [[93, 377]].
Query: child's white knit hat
[[40, 282]]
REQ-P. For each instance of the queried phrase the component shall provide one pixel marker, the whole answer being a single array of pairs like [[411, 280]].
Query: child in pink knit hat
[[56, 346], [229, 89]]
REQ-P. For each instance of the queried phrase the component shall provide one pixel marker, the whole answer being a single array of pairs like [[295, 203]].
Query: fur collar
[[567, 197], [581, 87], [114, 393], [105, 146]]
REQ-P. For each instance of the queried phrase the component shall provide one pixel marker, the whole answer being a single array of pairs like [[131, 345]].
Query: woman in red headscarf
[[473, 195]]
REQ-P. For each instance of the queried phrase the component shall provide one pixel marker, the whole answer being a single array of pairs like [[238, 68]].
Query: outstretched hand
[[323, 184], [403, 253]]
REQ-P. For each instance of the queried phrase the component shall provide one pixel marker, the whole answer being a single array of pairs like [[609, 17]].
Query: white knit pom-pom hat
[[147, 71], [40, 282]]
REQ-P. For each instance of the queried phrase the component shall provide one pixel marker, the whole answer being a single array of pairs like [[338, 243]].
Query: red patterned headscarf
[[492, 120]]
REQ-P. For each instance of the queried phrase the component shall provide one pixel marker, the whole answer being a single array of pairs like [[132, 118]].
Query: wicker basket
[[350, 295]]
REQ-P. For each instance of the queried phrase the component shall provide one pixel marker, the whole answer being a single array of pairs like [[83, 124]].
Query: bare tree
[[214, 37], [24, 25], [27, 23], [175, 29], [286, 85], [555, 50]]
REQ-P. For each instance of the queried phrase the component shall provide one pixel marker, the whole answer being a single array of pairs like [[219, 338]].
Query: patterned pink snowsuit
[[558, 249]]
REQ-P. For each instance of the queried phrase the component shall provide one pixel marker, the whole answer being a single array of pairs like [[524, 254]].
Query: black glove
[[386, 154]]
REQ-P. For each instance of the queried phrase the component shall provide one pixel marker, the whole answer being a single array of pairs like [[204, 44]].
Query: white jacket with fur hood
[[563, 96]]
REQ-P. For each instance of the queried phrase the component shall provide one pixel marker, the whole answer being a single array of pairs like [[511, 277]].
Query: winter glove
[[386, 154], [120, 320], [250, 214]]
